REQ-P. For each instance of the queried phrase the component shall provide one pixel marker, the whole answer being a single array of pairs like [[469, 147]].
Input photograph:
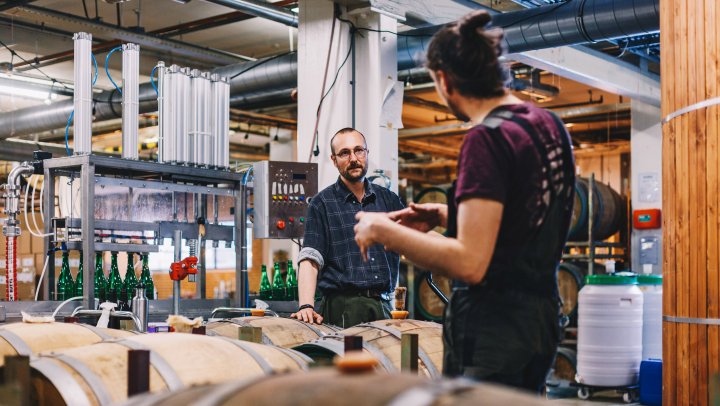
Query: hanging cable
[[314, 149], [264, 61], [107, 72], [42, 274], [95, 65]]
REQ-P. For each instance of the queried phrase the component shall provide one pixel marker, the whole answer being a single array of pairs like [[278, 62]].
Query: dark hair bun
[[468, 25]]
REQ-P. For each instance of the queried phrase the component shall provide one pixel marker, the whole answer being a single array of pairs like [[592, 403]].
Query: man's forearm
[[307, 282]]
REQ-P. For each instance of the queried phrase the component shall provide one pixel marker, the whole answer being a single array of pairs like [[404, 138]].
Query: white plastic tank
[[651, 287], [610, 322]]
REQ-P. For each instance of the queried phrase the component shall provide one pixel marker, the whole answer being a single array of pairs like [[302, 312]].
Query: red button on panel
[[286, 197], [280, 224], [291, 219]]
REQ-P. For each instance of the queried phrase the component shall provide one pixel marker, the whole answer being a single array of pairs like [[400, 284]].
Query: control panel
[[282, 192]]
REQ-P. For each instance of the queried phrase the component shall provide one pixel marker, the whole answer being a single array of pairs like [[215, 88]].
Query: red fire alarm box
[[647, 219]]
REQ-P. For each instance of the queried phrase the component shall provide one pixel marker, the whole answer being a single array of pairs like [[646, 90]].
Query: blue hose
[[67, 132], [107, 72], [152, 80]]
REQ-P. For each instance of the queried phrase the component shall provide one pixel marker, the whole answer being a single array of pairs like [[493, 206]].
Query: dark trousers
[[347, 310], [508, 338]]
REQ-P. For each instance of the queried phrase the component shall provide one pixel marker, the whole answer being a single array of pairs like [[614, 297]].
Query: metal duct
[[542, 27], [274, 73], [148, 41], [261, 9], [577, 22]]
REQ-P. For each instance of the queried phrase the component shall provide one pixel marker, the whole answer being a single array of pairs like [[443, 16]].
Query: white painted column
[[646, 161], [376, 76], [375, 73]]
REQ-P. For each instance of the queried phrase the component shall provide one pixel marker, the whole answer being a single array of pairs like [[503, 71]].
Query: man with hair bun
[[507, 217], [353, 291]]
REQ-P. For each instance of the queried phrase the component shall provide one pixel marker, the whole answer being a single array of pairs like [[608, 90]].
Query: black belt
[[369, 293]]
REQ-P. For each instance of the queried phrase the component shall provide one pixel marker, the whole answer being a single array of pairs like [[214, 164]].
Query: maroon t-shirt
[[503, 164]]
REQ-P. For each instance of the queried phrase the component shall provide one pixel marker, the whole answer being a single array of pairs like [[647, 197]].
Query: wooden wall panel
[[690, 45]]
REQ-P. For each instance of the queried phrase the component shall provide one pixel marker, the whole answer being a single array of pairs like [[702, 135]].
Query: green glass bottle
[[146, 278], [265, 287], [100, 281], [115, 281], [65, 285], [278, 286], [292, 284], [79, 279], [131, 280]]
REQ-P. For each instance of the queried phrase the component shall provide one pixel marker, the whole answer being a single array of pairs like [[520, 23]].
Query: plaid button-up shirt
[[330, 240]]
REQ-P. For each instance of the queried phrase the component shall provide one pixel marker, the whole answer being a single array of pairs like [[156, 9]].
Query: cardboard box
[[25, 284]]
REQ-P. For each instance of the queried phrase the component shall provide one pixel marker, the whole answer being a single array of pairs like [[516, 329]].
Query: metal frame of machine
[[96, 170]]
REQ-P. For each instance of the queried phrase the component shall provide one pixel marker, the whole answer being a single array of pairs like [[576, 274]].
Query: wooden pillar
[[690, 45]]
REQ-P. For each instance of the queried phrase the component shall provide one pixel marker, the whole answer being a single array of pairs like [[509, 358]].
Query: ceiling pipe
[[577, 22], [262, 9], [257, 78], [166, 32], [179, 48]]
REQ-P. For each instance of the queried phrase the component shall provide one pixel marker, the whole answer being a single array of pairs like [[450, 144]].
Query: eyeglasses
[[359, 152]]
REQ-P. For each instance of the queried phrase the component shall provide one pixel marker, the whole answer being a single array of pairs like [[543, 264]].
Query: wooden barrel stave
[[382, 340], [279, 331], [32, 338], [328, 386], [608, 207], [177, 360]]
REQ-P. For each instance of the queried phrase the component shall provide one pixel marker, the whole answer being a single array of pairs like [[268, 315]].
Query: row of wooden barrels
[[78, 364]]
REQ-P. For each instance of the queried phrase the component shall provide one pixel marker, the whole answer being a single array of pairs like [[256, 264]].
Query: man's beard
[[346, 173], [456, 111]]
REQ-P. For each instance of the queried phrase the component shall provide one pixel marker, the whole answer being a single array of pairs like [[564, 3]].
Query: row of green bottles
[[279, 290], [113, 288]]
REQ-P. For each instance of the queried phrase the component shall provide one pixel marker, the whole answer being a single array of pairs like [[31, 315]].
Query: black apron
[[506, 328]]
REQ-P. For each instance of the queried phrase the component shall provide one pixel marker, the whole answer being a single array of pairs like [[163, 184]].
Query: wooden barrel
[[427, 304], [561, 379], [97, 374], [381, 339], [329, 387], [280, 331], [433, 195], [608, 208], [33, 338], [570, 280]]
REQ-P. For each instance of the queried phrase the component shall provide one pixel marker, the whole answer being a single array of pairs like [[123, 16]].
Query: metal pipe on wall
[[206, 146], [177, 244], [164, 150], [181, 98], [130, 93], [220, 119], [82, 93]]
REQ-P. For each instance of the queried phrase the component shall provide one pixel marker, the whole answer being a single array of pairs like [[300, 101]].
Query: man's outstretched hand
[[422, 217]]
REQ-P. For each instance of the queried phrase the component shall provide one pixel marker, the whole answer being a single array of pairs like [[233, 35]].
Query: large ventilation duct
[[577, 22], [573, 22], [570, 23], [261, 9], [272, 74]]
